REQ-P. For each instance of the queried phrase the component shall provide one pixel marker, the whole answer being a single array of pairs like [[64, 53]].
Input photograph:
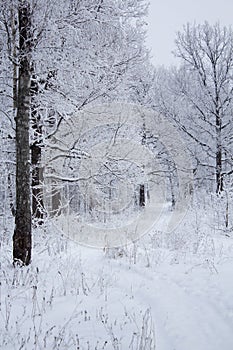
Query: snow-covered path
[[75, 297], [189, 311], [191, 307]]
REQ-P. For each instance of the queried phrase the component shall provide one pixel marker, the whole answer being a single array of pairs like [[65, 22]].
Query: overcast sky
[[166, 17]]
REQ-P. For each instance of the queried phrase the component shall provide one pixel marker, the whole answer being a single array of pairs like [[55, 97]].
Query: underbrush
[[69, 297]]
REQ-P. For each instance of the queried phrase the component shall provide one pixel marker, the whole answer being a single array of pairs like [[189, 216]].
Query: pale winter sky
[[166, 17]]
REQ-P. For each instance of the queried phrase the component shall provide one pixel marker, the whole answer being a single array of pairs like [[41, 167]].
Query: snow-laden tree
[[85, 52], [20, 44], [75, 53], [198, 96]]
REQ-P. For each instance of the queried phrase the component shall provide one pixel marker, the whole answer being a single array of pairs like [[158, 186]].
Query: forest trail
[[191, 308]]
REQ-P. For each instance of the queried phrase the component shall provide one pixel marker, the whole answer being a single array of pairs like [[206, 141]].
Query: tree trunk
[[23, 219], [219, 179], [14, 55], [142, 201], [37, 195]]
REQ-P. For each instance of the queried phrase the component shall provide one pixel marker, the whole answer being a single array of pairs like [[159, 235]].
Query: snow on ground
[[165, 293]]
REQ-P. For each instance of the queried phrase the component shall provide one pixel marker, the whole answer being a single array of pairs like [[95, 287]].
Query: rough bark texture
[[22, 233]]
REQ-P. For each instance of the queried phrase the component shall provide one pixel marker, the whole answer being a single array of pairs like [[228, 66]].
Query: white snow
[[165, 292]]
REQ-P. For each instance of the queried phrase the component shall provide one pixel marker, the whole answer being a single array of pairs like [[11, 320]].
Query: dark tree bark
[[219, 177], [142, 201], [22, 239]]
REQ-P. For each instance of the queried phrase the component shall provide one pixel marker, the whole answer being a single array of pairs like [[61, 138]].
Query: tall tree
[[198, 96], [86, 52], [62, 55], [22, 233], [207, 53]]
